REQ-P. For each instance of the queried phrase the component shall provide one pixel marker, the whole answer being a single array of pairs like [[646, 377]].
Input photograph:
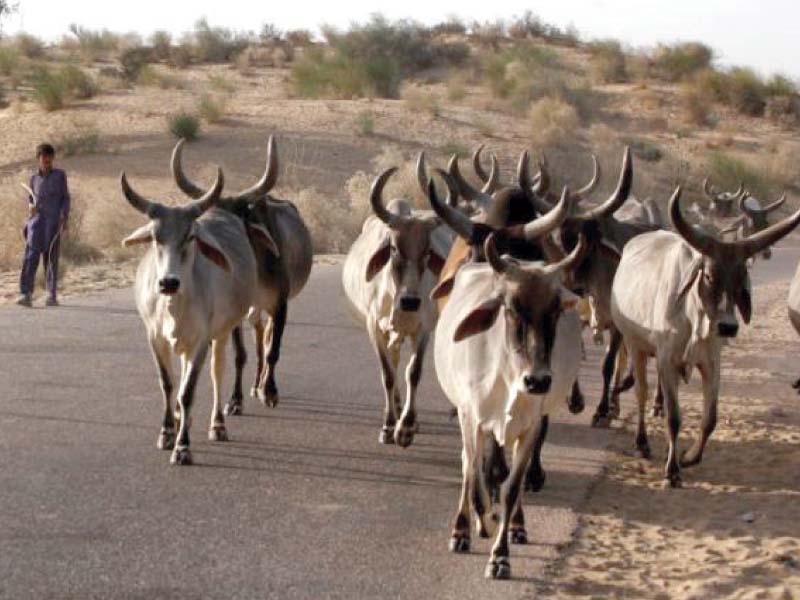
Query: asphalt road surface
[[302, 502]]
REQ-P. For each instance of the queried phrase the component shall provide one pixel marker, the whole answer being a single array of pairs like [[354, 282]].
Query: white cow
[[673, 298], [387, 277], [507, 350]]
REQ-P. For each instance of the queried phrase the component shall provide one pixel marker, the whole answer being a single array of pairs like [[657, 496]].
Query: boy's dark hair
[[45, 150]]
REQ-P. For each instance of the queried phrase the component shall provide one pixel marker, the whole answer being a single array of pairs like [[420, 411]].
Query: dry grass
[[418, 100], [552, 120]]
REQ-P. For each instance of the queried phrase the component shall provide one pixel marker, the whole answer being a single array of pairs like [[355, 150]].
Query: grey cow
[[674, 298], [193, 286]]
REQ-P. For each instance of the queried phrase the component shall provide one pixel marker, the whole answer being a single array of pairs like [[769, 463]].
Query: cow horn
[[542, 185], [589, 187], [210, 198], [465, 190], [777, 204], [491, 185], [477, 166], [752, 245], [268, 179], [421, 172], [524, 171], [696, 238], [497, 262], [547, 223], [135, 200], [455, 219], [376, 199], [181, 180], [620, 195], [573, 259]]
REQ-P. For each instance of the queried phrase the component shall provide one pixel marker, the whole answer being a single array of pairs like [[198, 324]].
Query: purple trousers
[[30, 264]]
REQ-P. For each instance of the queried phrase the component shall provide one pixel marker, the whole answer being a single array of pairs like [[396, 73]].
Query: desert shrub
[[77, 83], [779, 85], [644, 149], [48, 89], [299, 38], [746, 91], [521, 72], [453, 25], [28, 45], [221, 84], [161, 43], [334, 229], [211, 108], [527, 25], [551, 120], [9, 61], [727, 172], [12, 217], [489, 34], [93, 44], [216, 44], [184, 125], [679, 61], [711, 84], [132, 61], [696, 104], [83, 140], [318, 74], [456, 88], [180, 56], [365, 123], [608, 61], [418, 100], [152, 77]]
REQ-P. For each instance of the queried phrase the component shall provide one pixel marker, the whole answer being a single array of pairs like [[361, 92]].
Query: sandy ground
[[733, 531]]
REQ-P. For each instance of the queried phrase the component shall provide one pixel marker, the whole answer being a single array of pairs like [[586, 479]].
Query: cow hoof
[[576, 403], [166, 440], [689, 459], [535, 481], [403, 436], [181, 456], [268, 399], [658, 411], [673, 482], [796, 384], [601, 421], [518, 535], [498, 568], [386, 436], [254, 393], [613, 410], [626, 384], [218, 434], [459, 543], [233, 408]]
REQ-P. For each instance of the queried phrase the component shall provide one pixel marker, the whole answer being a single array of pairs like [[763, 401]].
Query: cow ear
[[259, 232], [689, 278], [744, 302], [443, 288], [569, 300], [479, 320], [212, 253], [435, 263], [143, 235], [379, 259]]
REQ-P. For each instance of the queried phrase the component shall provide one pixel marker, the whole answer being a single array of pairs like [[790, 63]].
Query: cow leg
[[669, 384], [620, 365], [535, 475], [601, 417], [258, 338], [163, 357], [496, 468], [181, 455], [518, 534], [576, 402], [639, 361], [460, 536], [388, 378], [268, 390], [658, 405], [486, 519], [499, 566], [408, 425], [217, 431], [694, 454], [234, 405]]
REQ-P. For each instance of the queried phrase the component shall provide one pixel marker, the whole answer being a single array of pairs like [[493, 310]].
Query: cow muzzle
[[410, 303], [537, 384], [169, 285]]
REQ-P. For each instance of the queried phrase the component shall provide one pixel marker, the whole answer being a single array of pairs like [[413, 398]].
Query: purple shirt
[[51, 198]]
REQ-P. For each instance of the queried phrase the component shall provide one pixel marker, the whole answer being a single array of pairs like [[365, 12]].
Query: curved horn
[[589, 187], [760, 241], [777, 204], [620, 195], [738, 193], [270, 176], [181, 180], [455, 219], [694, 236], [572, 259], [464, 188], [497, 262], [491, 185], [542, 185], [421, 172], [524, 171], [138, 202], [477, 166], [210, 198], [547, 223], [376, 199]]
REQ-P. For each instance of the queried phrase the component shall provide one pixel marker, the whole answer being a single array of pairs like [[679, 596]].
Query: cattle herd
[[506, 276]]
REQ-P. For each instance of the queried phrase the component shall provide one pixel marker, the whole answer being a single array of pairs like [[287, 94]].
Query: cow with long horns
[[284, 255], [193, 286], [387, 277], [721, 203], [507, 349], [753, 218], [674, 298]]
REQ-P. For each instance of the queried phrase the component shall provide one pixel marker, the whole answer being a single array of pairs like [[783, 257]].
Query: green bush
[[366, 123], [211, 109], [221, 84], [161, 42], [84, 142], [49, 90], [608, 61], [132, 61], [29, 45], [180, 56], [94, 44], [728, 172], [779, 85], [216, 44], [77, 84], [184, 125], [746, 92], [680, 61], [9, 61]]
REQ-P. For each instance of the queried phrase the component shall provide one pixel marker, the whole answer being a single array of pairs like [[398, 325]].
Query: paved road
[[302, 503]]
